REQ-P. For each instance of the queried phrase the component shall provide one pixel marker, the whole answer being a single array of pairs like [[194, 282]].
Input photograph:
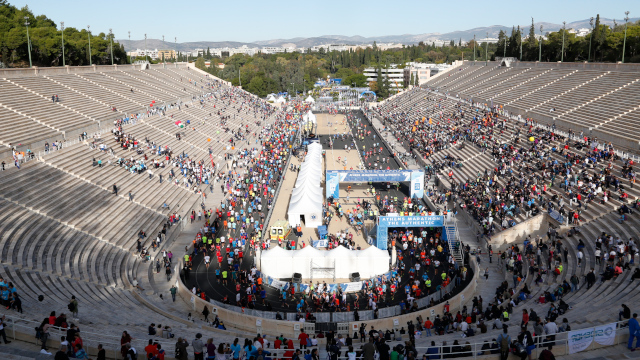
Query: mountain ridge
[[405, 39]]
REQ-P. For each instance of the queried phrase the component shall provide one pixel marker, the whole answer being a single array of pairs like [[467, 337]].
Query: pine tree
[[379, 81], [412, 80], [531, 40], [417, 82], [386, 86], [598, 36]]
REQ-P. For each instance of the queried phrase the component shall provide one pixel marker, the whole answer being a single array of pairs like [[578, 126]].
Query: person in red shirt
[[303, 339], [151, 348], [427, 326]]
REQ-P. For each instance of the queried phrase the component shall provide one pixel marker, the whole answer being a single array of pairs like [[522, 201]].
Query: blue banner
[[335, 177], [385, 222], [333, 184], [411, 221]]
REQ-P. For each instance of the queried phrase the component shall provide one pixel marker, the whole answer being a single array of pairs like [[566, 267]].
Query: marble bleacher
[[595, 99], [63, 232]]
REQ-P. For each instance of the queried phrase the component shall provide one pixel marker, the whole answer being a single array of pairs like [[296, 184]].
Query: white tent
[[310, 99], [343, 259], [372, 261], [279, 263], [306, 198], [308, 203], [302, 260], [312, 117], [308, 178], [281, 99], [271, 97]]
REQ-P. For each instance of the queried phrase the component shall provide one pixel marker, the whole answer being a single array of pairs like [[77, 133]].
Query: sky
[[253, 20]]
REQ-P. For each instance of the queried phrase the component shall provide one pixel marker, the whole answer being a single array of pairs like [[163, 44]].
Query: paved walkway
[[22, 350]]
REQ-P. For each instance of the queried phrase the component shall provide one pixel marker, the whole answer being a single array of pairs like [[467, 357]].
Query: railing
[[20, 329]]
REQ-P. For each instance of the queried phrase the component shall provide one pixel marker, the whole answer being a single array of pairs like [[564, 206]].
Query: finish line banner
[[386, 222], [580, 340], [335, 177]]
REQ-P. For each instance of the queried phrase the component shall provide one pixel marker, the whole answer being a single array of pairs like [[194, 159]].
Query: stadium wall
[[240, 321], [563, 65], [60, 70], [537, 225], [192, 66]]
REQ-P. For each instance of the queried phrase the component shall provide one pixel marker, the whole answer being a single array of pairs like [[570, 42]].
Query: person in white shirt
[[464, 327]]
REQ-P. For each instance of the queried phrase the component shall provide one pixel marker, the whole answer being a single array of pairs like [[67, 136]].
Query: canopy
[[281, 99], [306, 198], [310, 99], [279, 263], [312, 117]]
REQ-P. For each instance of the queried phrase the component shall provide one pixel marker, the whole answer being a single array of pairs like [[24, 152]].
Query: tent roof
[[275, 252], [339, 252], [373, 252], [308, 194], [309, 251], [308, 180], [310, 99]]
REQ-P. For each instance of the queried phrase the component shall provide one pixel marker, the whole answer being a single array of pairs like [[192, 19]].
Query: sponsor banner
[[335, 177], [333, 185], [580, 340], [351, 287], [277, 283], [606, 334], [385, 222], [417, 184], [411, 221], [320, 243]]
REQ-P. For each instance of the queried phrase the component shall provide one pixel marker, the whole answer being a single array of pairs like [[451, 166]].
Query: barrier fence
[[563, 343]]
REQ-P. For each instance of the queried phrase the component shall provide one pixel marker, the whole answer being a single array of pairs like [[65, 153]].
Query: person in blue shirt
[[5, 295], [236, 348], [634, 332], [249, 349]]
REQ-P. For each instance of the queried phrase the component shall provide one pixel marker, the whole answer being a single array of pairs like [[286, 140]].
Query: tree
[[257, 86], [343, 73], [531, 39], [412, 81], [359, 79], [385, 91], [200, 63], [379, 84]]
